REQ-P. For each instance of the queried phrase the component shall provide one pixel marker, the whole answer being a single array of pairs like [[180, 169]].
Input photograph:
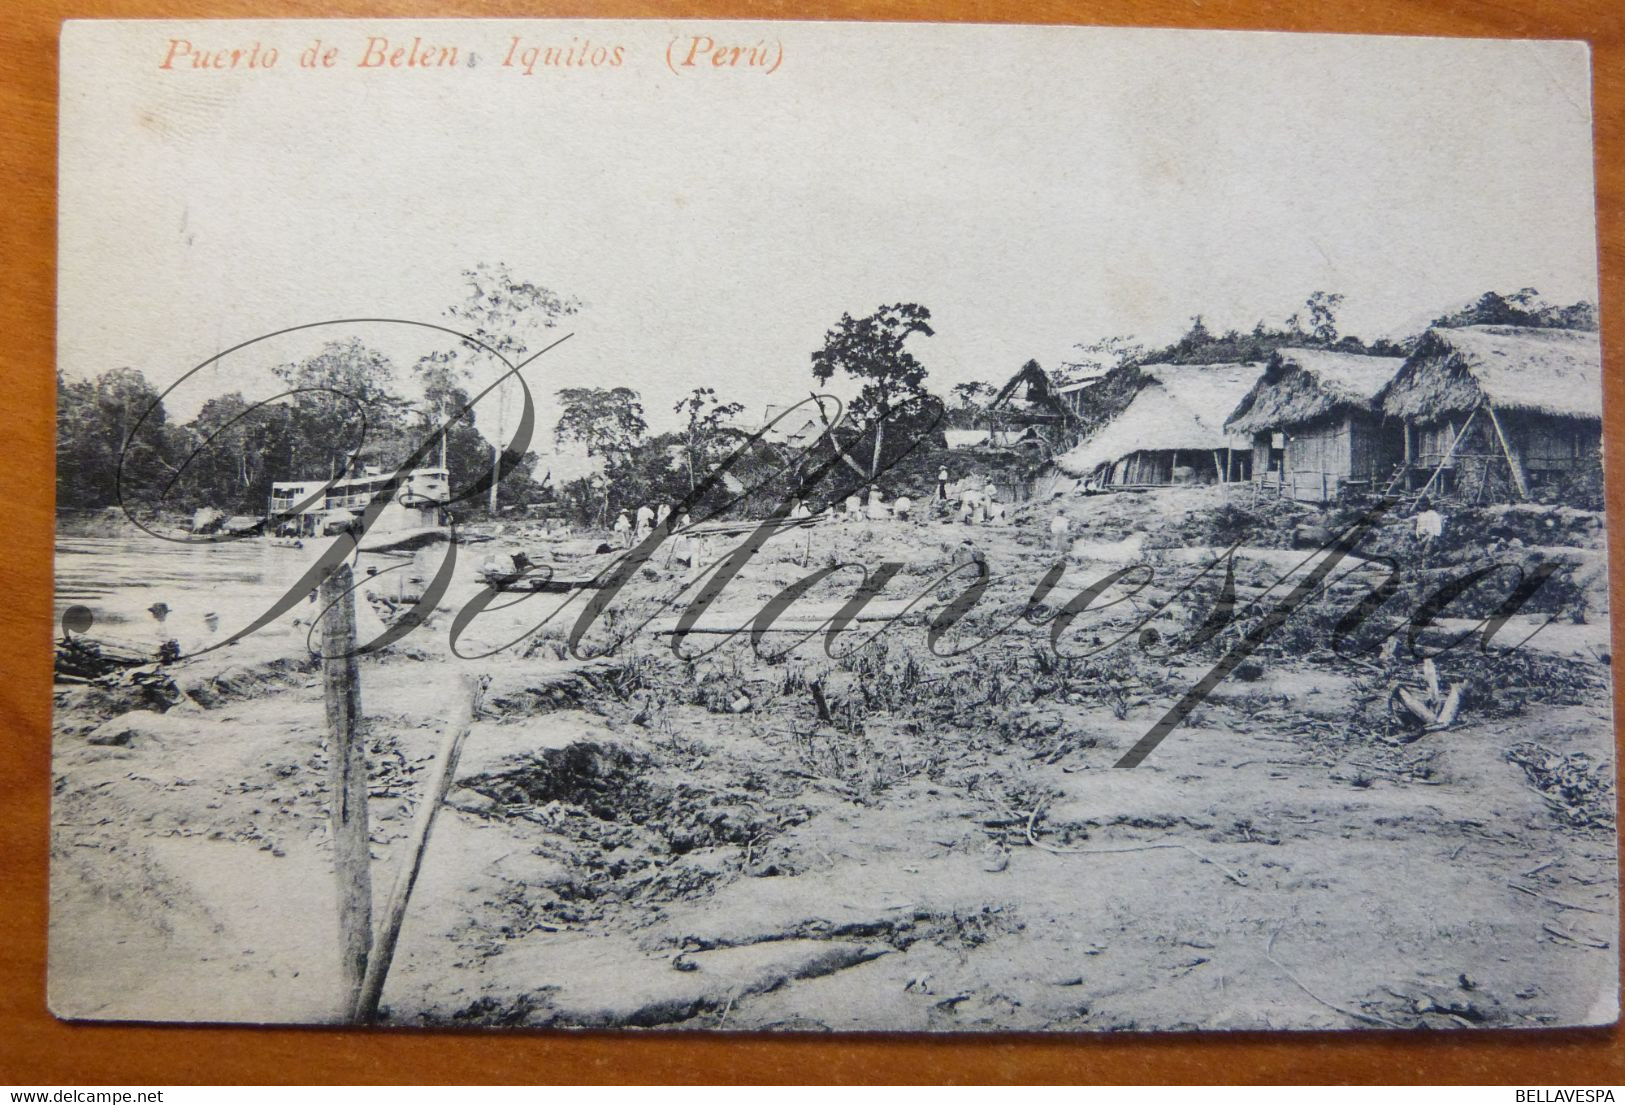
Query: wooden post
[[445, 770], [346, 780]]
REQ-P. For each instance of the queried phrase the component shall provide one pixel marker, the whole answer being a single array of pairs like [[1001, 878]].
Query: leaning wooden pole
[[440, 779], [346, 780], [1514, 462], [1450, 453]]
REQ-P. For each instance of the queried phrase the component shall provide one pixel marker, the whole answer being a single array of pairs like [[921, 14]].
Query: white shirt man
[[1060, 528]]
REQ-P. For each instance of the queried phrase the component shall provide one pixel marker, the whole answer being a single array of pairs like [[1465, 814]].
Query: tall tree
[[445, 412], [607, 423], [872, 352], [709, 431], [1322, 308], [346, 402], [114, 442], [510, 316], [234, 451]]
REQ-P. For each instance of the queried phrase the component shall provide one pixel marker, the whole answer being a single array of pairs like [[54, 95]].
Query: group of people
[[629, 532], [877, 509], [973, 500]]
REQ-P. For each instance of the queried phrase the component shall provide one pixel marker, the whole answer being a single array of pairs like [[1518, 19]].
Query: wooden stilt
[[346, 780]]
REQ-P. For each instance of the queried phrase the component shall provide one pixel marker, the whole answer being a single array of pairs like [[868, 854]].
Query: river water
[[120, 578]]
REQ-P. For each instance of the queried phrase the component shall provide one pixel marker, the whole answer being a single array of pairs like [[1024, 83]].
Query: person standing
[[623, 530], [646, 518], [1060, 530], [1429, 522], [969, 496], [942, 483]]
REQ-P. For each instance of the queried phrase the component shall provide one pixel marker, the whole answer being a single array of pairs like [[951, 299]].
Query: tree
[[83, 478], [1099, 358], [446, 411], [345, 403], [509, 316], [970, 394], [872, 352], [607, 423], [114, 442], [233, 452], [1200, 345], [1524, 307], [709, 431], [1322, 308]]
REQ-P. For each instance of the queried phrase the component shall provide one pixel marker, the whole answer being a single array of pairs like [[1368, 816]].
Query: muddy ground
[[886, 839]]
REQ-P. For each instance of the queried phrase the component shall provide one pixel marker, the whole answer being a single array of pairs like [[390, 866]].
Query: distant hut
[[1030, 409], [1315, 425], [965, 439], [1172, 431], [1007, 441], [1076, 396], [783, 425], [1482, 401]]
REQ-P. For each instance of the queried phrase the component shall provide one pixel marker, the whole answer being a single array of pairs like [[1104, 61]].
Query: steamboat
[[414, 511]]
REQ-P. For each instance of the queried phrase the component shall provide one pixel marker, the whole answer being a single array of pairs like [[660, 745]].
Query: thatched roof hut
[[1479, 400], [1030, 409], [1180, 407], [1310, 385], [1557, 373], [1033, 392]]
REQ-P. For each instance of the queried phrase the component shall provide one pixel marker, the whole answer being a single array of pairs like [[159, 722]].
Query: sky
[[1034, 188]]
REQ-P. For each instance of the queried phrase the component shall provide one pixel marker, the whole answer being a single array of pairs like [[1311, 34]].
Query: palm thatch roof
[[1515, 368], [1305, 385], [1180, 407]]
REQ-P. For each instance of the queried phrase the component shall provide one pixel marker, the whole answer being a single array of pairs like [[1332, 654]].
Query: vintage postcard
[[829, 527]]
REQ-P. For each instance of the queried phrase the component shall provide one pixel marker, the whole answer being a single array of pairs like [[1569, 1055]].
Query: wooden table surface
[[34, 1048]]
